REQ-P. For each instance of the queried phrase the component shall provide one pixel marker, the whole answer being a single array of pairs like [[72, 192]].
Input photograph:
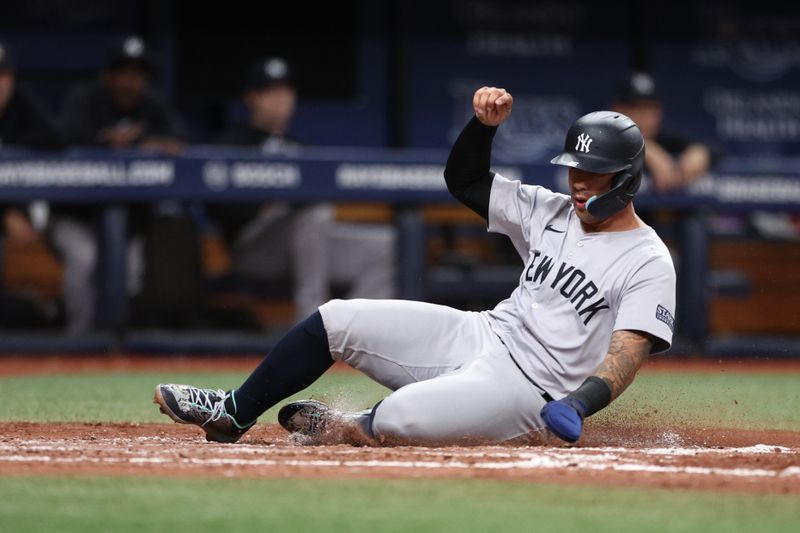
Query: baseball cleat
[[307, 417], [202, 407]]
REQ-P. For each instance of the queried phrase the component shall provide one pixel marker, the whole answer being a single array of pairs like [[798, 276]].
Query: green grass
[[84, 505], [122, 397], [747, 401], [754, 401]]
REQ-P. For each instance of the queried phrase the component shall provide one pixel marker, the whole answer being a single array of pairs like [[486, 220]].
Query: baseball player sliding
[[595, 298]]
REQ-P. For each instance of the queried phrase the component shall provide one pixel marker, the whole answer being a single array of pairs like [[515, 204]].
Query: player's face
[[126, 85], [582, 186], [272, 108]]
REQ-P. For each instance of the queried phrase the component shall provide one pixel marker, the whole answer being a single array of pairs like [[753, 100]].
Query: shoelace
[[316, 422], [319, 420], [215, 403]]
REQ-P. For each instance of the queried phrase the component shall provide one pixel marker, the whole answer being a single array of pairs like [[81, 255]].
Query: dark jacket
[[26, 122], [88, 109], [232, 218]]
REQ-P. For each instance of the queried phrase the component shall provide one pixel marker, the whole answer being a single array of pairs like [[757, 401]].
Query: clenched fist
[[492, 105]]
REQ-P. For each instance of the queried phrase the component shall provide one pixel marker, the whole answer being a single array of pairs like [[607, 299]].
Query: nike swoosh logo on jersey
[[550, 227]]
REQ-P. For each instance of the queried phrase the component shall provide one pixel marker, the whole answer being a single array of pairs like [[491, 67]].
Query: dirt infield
[[727, 460]]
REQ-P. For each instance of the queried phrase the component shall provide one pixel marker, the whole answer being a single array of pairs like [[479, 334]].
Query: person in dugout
[[302, 243]]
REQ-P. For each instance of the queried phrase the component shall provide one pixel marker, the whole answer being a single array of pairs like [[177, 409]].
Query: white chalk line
[[503, 452], [151, 451], [542, 463]]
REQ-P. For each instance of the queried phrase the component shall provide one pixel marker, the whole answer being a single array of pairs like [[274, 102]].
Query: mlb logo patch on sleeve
[[663, 314]]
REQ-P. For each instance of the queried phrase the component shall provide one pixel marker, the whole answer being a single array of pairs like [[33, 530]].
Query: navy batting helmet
[[606, 142]]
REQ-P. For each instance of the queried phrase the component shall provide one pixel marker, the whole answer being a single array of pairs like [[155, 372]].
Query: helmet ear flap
[[635, 170], [636, 181], [627, 177], [624, 185], [620, 176]]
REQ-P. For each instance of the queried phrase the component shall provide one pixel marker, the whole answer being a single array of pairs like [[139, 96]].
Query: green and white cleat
[[202, 407]]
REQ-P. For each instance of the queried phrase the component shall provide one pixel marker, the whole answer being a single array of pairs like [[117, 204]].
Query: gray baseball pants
[[317, 251], [453, 379], [76, 244]]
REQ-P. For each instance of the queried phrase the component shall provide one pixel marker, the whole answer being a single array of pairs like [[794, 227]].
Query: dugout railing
[[407, 179]]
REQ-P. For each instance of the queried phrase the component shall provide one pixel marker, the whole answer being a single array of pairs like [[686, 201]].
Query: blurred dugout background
[[400, 74]]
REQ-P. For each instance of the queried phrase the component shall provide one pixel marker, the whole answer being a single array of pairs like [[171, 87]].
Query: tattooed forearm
[[626, 354]]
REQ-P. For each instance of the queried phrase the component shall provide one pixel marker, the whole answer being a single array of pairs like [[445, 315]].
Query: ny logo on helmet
[[583, 143]]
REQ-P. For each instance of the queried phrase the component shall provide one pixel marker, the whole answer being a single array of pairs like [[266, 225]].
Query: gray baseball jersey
[[576, 288], [456, 374]]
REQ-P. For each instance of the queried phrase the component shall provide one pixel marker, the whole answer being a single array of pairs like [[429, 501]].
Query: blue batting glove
[[564, 418]]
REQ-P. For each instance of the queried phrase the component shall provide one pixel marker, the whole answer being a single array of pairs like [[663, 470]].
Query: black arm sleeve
[[467, 172], [594, 393]]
